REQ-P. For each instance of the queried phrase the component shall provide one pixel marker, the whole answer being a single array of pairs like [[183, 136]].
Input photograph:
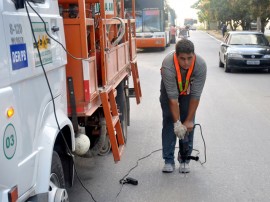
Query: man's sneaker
[[184, 168], [168, 168]]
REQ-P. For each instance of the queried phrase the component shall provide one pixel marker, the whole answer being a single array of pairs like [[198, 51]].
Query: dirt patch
[[215, 33]]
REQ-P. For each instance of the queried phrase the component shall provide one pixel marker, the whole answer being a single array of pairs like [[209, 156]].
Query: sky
[[183, 10]]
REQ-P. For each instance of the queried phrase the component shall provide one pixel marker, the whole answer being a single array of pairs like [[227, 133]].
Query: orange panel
[[121, 58], [93, 77], [85, 88], [74, 67], [150, 43], [111, 59]]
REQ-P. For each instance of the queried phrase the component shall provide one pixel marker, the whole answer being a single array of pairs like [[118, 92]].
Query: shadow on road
[[150, 50], [249, 71]]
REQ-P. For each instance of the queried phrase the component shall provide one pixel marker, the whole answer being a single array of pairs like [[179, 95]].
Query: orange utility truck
[[98, 85]]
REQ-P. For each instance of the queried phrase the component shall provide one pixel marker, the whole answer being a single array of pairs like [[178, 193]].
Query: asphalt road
[[235, 116]]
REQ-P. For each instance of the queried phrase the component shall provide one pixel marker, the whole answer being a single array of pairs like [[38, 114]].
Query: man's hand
[[189, 125], [179, 130]]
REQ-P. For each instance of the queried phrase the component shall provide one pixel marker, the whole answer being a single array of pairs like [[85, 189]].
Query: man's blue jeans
[[168, 135]]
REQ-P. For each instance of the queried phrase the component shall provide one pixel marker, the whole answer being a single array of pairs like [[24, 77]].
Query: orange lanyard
[[179, 77]]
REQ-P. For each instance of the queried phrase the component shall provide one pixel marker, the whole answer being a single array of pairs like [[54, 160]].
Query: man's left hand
[[189, 125]]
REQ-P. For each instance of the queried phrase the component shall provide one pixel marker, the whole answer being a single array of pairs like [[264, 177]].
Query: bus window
[[151, 21], [138, 21]]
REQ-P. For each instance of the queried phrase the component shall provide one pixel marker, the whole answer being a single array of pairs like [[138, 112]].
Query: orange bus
[[153, 21]]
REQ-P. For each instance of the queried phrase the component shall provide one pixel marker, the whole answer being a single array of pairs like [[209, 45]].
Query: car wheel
[[220, 64], [226, 67]]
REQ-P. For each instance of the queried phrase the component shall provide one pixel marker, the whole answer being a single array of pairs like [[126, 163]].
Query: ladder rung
[[115, 119]]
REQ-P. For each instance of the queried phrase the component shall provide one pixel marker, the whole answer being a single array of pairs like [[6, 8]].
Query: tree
[[203, 7], [234, 12], [261, 11]]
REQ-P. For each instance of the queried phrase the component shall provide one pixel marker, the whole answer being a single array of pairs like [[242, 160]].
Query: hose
[[121, 31]]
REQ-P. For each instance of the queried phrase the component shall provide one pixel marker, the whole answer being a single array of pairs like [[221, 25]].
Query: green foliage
[[234, 12]]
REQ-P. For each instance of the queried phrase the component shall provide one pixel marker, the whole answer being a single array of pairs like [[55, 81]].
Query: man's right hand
[[180, 130]]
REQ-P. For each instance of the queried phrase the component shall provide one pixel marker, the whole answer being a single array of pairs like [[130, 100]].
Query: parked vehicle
[[253, 25], [54, 106], [184, 32], [244, 50]]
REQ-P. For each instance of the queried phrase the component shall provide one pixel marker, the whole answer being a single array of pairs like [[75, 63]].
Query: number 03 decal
[[9, 141]]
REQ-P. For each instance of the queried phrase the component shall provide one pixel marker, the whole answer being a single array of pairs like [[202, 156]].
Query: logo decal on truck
[[43, 43], [18, 54], [9, 141]]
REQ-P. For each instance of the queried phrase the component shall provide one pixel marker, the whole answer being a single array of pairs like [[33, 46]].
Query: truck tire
[[57, 174], [57, 180], [121, 100], [106, 148]]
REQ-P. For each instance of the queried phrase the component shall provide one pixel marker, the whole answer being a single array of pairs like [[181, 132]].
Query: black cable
[[203, 143], [137, 163], [123, 179], [54, 108]]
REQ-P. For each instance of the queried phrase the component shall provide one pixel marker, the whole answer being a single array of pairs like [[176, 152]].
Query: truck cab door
[[27, 90], [10, 151]]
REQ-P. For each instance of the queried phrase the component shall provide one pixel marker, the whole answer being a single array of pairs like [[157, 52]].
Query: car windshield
[[248, 39]]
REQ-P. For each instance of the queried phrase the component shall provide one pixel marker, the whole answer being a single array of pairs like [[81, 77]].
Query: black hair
[[184, 46]]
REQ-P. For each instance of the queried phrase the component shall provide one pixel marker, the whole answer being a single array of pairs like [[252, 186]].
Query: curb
[[214, 37]]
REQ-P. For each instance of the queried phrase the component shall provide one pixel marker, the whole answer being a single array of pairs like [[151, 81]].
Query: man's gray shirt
[[169, 82]]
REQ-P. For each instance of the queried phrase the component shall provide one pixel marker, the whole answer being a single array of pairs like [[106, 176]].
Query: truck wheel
[[57, 181], [103, 151], [121, 101]]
